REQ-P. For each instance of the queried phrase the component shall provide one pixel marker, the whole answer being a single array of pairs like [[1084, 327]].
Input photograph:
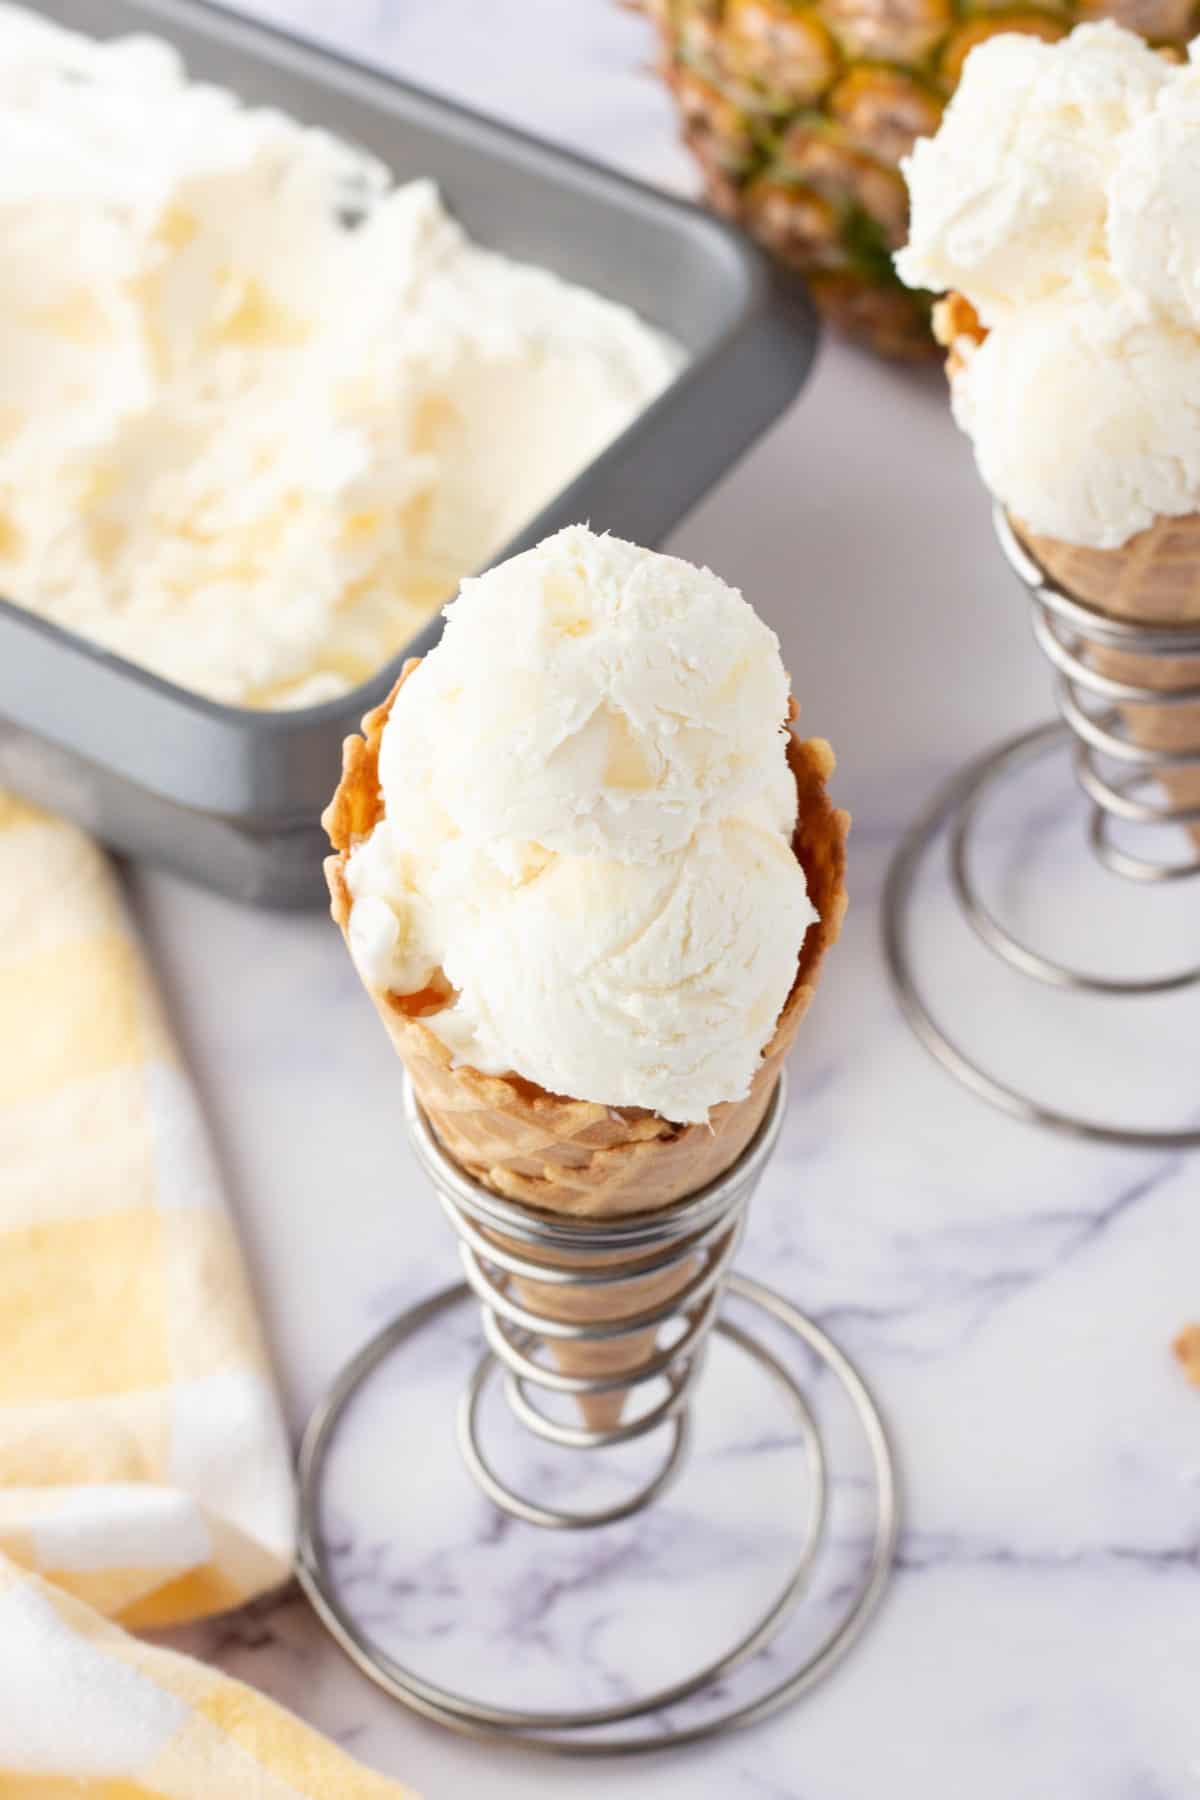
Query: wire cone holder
[[1127, 688], [614, 1315], [577, 1308]]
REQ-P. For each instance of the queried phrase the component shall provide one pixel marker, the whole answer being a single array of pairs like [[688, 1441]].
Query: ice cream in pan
[[588, 875], [1059, 203], [249, 384]]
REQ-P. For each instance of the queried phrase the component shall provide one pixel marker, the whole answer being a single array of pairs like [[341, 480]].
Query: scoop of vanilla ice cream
[[1008, 198], [1154, 203], [597, 699], [587, 830], [1085, 416]]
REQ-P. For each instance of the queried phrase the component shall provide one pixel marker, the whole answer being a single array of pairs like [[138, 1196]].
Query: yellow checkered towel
[[144, 1467], [89, 1713]]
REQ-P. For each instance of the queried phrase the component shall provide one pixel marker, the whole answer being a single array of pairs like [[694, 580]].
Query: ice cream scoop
[[1060, 199], [586, 841], [1009, 197], [1154, 203], [1085, 417]]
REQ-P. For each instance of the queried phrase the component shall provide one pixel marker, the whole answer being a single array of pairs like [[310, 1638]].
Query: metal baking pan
[[231, 796]]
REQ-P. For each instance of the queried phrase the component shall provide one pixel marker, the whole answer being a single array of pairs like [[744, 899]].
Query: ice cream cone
[[1153, 579], [576, 1157]]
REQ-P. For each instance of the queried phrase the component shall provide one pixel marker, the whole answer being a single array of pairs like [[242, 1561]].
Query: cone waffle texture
[[1154, 579], [576, 1157], [602, 1358], [1187, 1349]]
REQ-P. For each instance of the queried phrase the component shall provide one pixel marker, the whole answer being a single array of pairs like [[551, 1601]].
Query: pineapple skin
[[799, 112]]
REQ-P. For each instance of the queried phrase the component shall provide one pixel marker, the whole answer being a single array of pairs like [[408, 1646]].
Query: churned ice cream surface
[[1154, 203], [1061, 197], [1086, 419], [588, 813], [1009, 198], [261, 409]]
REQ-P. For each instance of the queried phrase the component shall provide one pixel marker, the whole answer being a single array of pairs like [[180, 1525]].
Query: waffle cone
[[577, 1157], [601, 1358], [1154, 579]]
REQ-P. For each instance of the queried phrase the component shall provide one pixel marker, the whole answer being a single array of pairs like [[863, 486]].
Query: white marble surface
[[1011, 1295]]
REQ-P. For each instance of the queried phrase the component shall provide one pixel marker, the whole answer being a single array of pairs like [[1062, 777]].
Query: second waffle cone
[[577, 1157], [1154, 579]]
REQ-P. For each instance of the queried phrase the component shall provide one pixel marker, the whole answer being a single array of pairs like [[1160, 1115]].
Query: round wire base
[[553, 1731], [955, 809]]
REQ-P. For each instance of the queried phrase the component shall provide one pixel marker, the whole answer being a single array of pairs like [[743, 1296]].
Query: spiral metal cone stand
[[697, 1240], [1119, 777]]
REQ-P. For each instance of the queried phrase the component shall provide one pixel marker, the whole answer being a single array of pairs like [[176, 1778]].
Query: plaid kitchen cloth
[[145, 1476]]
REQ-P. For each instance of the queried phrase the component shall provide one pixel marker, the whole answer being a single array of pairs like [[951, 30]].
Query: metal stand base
[[956, 809], [553, 1731]]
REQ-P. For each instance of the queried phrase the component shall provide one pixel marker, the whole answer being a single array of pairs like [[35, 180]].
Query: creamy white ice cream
[[587, 830], [240, 443], [1009, 196], [1154, 203], [1061, 196], [1085, 418]]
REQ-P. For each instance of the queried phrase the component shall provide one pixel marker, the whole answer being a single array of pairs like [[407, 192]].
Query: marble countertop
[[1011, 1295]]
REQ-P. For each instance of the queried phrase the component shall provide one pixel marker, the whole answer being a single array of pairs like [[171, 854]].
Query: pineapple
[[799, 112]]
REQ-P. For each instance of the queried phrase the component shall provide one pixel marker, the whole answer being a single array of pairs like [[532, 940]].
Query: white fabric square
[[119, 1721], [229, 1448], [127, 1525]]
